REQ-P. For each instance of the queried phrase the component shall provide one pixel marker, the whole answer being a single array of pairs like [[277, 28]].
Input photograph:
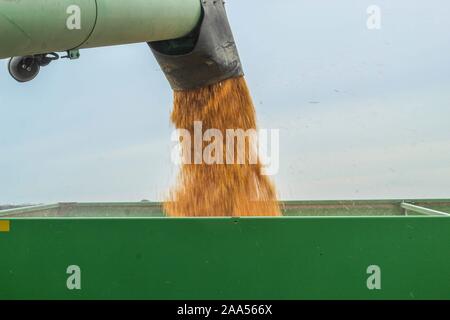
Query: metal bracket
[[73, 54], [422, 210]]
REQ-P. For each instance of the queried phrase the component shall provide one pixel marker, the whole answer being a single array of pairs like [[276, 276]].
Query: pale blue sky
[[363, 114]]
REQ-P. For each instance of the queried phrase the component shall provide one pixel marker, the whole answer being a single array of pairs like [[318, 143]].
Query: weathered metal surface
[[290, 208]]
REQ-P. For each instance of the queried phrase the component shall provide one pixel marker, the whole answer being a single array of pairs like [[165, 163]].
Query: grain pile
[[204, 190]]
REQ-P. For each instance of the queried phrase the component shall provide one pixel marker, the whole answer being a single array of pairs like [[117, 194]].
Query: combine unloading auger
[[191, 39]]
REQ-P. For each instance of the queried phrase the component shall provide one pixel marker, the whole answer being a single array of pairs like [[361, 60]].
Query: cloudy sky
[[362, 113]]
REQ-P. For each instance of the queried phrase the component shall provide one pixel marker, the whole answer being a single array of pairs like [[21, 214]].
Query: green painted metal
[[226, 258], [73, 54], [41, 26], [128, 251]]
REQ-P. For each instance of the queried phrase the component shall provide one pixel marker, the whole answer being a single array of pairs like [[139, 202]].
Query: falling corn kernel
[[205, 190]]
